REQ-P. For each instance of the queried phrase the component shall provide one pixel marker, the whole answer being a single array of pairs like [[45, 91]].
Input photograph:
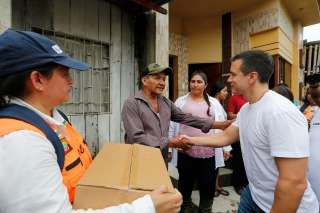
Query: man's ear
[[143, 79], [253, 77], [36, 80]]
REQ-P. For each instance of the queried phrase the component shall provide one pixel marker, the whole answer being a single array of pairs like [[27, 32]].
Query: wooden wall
[[97, 20]]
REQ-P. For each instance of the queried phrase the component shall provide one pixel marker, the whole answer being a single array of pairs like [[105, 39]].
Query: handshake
[[180, 142]]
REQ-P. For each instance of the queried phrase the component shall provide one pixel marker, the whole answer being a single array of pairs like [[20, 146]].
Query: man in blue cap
[[42, 156]]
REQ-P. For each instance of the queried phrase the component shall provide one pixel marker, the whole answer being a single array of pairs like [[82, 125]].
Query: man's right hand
[[165, 202], [179, 144]]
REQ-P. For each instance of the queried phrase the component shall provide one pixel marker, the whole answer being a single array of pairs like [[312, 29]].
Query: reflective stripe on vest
[[77, 154]]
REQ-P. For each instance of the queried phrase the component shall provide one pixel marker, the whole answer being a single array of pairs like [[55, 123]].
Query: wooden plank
[[315, 51], [318, 61], [77, 17], [103, 129], [40, 13], [304, 57], [115, 64], [136, 74], [127, 71], [61, 19], [104, 21], [91, 19], [151, 5], [309, 59], [17, 17], [92, 138]]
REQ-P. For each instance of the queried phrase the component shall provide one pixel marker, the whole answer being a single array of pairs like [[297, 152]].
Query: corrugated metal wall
[[95, 21]]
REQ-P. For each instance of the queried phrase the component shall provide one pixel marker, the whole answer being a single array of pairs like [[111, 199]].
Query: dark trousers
[[247, 205], [201, 170], [239, 176]]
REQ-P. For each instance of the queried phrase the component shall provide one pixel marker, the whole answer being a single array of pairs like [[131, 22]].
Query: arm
[[204, 124], [221, 124], [291, 184], [177, 115], [134, 129], [227, 137], [232, 115]]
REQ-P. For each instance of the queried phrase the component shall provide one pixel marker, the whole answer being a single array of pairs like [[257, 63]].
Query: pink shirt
[[198, 109]]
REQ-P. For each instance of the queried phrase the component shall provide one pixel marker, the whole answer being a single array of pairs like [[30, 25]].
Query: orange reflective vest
[[77, 154]]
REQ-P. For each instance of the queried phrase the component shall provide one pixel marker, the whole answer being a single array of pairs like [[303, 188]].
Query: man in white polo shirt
[[274, 141]]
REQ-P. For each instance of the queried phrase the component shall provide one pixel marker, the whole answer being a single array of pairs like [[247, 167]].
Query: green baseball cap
[[156, 68]]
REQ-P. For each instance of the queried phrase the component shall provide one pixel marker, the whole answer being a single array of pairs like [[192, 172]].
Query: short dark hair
[[217, 87], [284, 90], [14, 85], [258, 61]]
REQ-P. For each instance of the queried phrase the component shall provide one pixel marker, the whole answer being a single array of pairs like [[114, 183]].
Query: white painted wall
[[5, 18]]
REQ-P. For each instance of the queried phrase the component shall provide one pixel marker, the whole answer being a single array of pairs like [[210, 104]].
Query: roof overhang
[[138, 6], [307, 11]]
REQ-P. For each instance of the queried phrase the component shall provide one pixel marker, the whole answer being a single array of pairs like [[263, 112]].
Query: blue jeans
[[247, 205]]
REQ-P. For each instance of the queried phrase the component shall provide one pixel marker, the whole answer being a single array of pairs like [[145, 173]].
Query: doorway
[[212, 70], [173, 79]]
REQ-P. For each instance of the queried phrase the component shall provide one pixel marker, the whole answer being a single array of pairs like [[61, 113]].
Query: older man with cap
[[42, 156], [314, 134], [146, 115]]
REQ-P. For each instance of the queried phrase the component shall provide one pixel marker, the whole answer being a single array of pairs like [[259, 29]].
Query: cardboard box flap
[[148, 169], [110, 175]]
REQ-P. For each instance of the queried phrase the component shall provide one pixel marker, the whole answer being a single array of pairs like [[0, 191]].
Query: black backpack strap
[[65, 117], [24, 114]]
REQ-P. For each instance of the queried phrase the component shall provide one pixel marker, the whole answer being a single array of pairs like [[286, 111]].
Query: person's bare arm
[[225, 138], [232, 115], [221, 124], [291, 184]]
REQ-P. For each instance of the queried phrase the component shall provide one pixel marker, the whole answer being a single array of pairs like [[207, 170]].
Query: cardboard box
[[121, 173]]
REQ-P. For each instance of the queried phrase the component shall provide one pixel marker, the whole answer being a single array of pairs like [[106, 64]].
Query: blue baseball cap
[[25, 50]]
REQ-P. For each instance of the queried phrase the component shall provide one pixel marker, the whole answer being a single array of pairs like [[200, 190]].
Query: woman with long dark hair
[[197, 163]]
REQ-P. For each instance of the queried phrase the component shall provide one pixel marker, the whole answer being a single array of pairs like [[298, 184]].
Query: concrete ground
[[221, 204]]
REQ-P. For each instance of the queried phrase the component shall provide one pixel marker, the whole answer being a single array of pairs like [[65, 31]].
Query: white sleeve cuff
[[144, 205]]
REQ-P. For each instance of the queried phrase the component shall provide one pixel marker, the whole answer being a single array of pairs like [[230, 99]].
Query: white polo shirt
[[272, 127]]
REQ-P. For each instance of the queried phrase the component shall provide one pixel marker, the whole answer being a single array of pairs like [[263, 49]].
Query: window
[[91, 89]]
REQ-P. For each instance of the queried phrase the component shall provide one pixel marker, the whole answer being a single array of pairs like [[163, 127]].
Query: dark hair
[[14, 85], [283, 90], [258, 61], [217, 87], [305, 100], [205, 95]]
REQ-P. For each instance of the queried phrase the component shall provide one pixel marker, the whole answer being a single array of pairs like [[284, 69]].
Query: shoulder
[[279, 108], [181, 100], [214, 101], [131, 101], [27, 140]]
